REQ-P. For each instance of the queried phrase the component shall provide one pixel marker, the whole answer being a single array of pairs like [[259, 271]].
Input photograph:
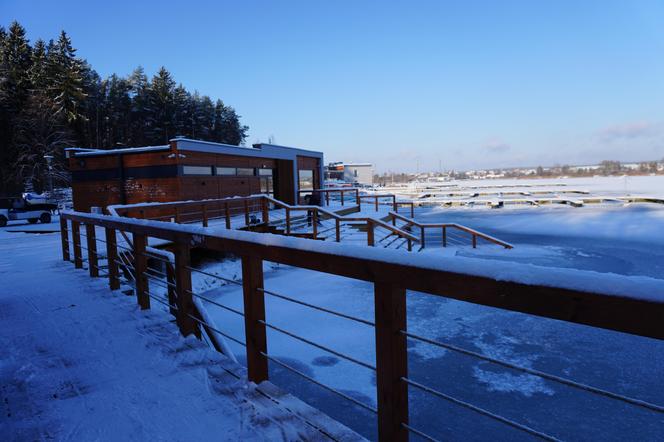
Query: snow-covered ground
[[79, 362]]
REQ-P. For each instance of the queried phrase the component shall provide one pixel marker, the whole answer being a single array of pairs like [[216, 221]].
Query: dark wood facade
[[179, 173]]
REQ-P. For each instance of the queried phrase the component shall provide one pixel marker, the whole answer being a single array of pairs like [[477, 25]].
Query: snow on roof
[[98, 152], [357, 164]]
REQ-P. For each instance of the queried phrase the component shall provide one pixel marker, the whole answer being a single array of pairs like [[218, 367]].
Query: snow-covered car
[[29, 207]]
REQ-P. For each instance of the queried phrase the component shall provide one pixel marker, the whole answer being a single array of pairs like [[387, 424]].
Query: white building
[[353, 173]]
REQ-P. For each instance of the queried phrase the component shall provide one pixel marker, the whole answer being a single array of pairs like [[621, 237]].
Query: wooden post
[[337, 227], [228, 216], [76, 237], [112, 256], [314, 222], [177, 215], [342, 198], [412, 210], [376, 202], [444, 236], [327, 198], [254, 312], [246, 212], [205, 215], [93, 262], [422, 236], [391, 361], [184, 301], [394, 220], [140, 269], [287, 221], [170, 278], [370, 232], [410, 244], [358, 200], [266, 211], [474, 241], [64, 235], [394, 202], [396, 208]]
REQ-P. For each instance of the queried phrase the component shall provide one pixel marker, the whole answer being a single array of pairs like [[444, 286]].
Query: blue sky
[[468, 84]]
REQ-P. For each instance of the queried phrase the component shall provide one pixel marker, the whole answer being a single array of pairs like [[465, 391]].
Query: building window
[[197, 170], [265, 172], [246, 171], [306, 180], [226, 171]]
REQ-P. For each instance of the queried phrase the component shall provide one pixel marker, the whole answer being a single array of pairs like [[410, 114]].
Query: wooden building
[[190, 170]]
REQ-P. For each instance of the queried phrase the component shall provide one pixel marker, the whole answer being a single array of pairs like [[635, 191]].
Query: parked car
[[29, 207]]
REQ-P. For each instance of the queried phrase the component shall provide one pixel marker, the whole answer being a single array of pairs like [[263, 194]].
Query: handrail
[[473, 232], [603, 301]]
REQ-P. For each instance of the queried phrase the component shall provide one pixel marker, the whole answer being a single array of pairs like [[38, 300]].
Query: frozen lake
[[626, 240]]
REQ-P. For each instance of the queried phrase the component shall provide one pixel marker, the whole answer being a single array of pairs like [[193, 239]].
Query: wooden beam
[[184, 302], [140, 268], [91, 243], [76, 238], [254, 312], [64, 236], [112, 257], [391, 361]]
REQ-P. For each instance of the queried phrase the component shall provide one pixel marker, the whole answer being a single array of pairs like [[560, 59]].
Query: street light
[[49, 164]]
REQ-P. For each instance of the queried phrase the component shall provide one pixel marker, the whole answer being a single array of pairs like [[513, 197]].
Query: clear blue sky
[[469, 84]]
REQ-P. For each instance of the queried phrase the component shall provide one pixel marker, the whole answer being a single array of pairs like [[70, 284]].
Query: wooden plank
[[64, 236], [140, 267], [112, 255], [76, 237], [391, 361], [93, 262], [370, 232], [205, 215], [184, 301], [254, 312]]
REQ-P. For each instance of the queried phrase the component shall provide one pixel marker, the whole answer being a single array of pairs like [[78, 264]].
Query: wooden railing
[[247, 207], [341, 191], [377, 197], [391, 278], [443, 228]]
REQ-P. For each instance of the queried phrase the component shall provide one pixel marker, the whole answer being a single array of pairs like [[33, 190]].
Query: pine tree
[[161, 115], [140, 107], [68, 81], [39, 70]]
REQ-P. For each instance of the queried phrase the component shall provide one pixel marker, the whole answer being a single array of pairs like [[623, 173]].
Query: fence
[[390, 278]]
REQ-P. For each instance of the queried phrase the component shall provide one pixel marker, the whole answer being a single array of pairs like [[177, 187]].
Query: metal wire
[[158, 272], [218, 331], [156, 280], [481, 411], [322, 347], [230, 309], [419, 433], [551, 377], [327, 387], [156, 298], [315, 307], [213, 276]]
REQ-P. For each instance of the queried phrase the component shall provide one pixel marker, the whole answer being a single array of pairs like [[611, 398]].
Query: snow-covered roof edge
[[79, 152]]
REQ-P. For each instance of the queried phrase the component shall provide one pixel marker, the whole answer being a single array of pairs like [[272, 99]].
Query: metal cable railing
[[541, 374], [479, 410], [206, 299], [231, 281], [225, 335]]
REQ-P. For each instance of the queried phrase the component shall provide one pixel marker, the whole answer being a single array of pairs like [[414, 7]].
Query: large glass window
[[197, 170], [226, 171], [306, 180], [265, 172], [245, 171]]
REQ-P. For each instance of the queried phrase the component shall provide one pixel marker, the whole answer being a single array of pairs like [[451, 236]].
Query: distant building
[[353, 173], [190, 170]]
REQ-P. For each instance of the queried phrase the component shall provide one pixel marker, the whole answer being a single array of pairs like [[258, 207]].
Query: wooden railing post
[[93, 262], [177, 215], [358, 200], [396, 208], [444, 236], [410, 244], [246, 212], [370, 232], [337, 228], [376, 202], [112, 257], [412, 210], [394, 202], [76, 238], [327, 198], [287, 221], [342, 198], [314, 222], [422, 239], [205, 215], [184, 301], [266, 211], [228, 216], [254, 317], [474, 241], [140, 269], [391, 361], [171, 280], [64, 235]]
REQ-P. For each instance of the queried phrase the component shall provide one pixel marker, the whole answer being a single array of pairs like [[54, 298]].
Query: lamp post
[[49, 164]]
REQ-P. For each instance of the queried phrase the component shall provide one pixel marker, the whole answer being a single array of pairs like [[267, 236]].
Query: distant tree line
[[51, 99]]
